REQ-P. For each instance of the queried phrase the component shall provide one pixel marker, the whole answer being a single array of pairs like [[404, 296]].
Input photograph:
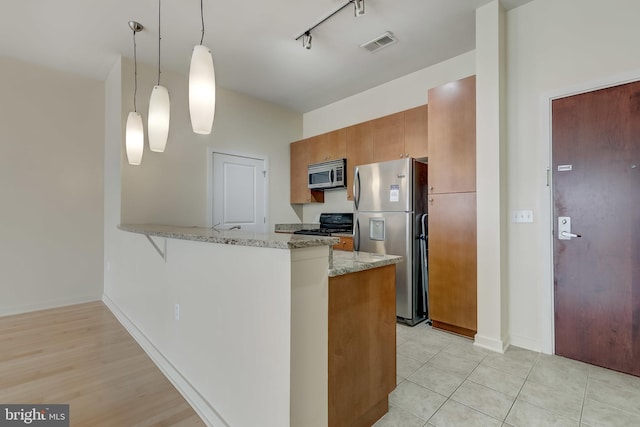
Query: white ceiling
[[252, 41]]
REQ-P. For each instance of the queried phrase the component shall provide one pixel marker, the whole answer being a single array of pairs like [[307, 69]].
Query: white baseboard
[[202, 407], [526, 343], [492, 344], [45, 305]]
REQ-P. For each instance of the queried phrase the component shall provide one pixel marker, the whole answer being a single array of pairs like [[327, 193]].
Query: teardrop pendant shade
[[158, 120], [202, 90], [134, 138]]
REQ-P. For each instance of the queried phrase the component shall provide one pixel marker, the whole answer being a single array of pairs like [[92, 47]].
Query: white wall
[[491, 172], [171, 187], [396, 95], [113, 131], [245, 350], [552, 44], [391, 97], [51, 176]]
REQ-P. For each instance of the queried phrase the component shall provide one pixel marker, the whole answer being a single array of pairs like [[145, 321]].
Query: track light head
[[358, 8], [306, 40]]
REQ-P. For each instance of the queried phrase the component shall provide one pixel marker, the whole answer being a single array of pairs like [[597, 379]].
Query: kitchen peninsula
[[257, 329]]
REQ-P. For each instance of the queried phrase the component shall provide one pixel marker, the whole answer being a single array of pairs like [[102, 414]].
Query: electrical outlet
[[176, 311]]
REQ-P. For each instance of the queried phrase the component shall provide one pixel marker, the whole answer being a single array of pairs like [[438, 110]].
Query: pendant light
[[202, 86], [134, 136], [159, 109]]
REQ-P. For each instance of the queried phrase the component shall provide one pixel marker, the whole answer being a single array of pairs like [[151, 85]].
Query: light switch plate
[[522, 216]]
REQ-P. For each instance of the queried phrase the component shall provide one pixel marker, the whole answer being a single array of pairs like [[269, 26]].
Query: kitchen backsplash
[[335, 201]]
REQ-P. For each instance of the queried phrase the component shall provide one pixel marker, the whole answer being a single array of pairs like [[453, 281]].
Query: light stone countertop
[[231, 237], [290, 228], [345, 262]]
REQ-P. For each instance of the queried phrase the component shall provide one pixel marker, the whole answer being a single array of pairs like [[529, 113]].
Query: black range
[[331, 223]]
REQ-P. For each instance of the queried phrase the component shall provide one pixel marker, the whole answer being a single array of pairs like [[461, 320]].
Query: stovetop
[[331, 223]]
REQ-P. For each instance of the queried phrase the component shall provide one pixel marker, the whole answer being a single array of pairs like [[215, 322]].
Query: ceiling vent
[[379, 42]]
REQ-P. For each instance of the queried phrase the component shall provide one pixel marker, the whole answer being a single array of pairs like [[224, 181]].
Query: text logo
[[34, 415]]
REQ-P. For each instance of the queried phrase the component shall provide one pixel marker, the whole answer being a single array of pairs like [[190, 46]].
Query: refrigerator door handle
[[356, 236], [356, 188]]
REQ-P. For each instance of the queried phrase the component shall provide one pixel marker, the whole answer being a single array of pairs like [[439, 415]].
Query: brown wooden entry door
[[596, 177]]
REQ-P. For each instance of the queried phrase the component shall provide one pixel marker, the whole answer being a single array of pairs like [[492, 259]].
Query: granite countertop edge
[[345, 262], [231, 237]]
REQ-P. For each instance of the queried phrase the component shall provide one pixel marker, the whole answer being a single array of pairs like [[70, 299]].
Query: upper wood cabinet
[[452, 137], [388, 138], [401, 135], [299, 158], [416, 132], [359, 150], [328, 146], [391, 137]]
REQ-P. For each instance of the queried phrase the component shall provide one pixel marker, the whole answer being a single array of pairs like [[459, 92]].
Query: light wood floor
[[82, 356]]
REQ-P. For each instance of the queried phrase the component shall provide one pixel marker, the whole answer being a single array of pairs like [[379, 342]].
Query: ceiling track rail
[[325, 19]]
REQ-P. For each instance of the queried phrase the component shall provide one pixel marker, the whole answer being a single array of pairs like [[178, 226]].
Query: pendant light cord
[[135, 72], [202, 19], [159, 38]]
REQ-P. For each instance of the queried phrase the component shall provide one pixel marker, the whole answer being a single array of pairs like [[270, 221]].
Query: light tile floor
[[443, 380]]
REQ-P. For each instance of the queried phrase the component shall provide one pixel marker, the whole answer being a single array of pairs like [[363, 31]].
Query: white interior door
[[239, 192]]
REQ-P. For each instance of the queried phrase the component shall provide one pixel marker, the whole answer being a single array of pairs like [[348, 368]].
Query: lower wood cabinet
[[346, 244], [452, 262], [362, 346]]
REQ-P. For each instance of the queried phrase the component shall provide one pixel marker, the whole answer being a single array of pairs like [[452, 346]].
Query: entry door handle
[[569, 235], [564, 228]]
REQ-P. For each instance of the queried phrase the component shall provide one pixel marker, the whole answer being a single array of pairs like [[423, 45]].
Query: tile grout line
[[521, 387], [454, 391], [584, 395], [448, 398]]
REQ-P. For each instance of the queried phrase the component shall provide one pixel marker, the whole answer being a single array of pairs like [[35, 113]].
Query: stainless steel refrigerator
[[390, 200]]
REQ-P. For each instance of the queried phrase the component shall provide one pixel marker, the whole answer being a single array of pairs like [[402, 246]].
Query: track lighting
[[358, 11], [134, 133], [306, 40]]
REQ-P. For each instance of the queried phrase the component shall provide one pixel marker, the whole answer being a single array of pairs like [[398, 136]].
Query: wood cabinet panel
[[337, 144], [452, 261], [359, 150], [299, 160], [362, 349], [328, 146], [388, 138], [346, 244], [452, 137], [317, 146], [416, 132]]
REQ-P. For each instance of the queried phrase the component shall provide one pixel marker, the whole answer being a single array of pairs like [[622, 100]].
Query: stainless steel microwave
[[327, 175]]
